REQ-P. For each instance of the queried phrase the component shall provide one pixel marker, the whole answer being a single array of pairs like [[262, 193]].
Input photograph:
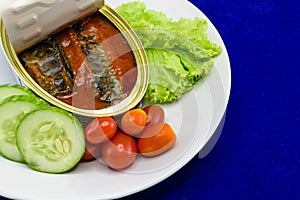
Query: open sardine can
[[95, 66]]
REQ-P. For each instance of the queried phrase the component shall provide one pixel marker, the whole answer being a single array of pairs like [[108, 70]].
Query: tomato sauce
[[96, 31]]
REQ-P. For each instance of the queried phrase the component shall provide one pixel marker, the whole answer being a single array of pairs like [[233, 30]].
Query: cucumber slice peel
[[8, 90], [51, 140], [12, 110]]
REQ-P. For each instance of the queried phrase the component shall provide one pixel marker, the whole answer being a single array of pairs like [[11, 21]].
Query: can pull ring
[[27, 22]]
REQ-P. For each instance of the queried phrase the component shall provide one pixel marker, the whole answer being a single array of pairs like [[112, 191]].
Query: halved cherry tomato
[[133, 122], [100, 130], [155, 114], [120, 152], [159, 142], [92, 151]]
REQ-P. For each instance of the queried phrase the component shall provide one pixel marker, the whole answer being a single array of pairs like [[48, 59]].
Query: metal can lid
[[28, 22]]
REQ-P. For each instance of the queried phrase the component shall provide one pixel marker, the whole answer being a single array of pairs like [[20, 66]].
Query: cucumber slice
[[12, 110], [51, 140], [8, 90]]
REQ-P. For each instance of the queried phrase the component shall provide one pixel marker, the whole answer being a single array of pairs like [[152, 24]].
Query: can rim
[[128, 103]]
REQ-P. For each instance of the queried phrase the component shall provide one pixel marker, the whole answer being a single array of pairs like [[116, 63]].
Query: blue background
[[258, 153]]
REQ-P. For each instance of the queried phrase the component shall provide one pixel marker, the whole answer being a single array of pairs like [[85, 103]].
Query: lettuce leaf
[[167, 76], [179, 52]]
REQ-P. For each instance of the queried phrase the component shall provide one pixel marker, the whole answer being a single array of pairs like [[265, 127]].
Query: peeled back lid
[[27, 22]]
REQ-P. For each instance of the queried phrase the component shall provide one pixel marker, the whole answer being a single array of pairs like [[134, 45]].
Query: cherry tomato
[[100, 130], [163, 140], [120, 152], [92, 151], [134, 121], [152, 130], [155, 114]]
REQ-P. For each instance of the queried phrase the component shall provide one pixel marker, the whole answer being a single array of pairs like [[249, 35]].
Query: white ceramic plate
[[194, 118]]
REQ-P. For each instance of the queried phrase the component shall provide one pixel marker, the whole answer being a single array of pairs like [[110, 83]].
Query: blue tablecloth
[[258, 153]]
